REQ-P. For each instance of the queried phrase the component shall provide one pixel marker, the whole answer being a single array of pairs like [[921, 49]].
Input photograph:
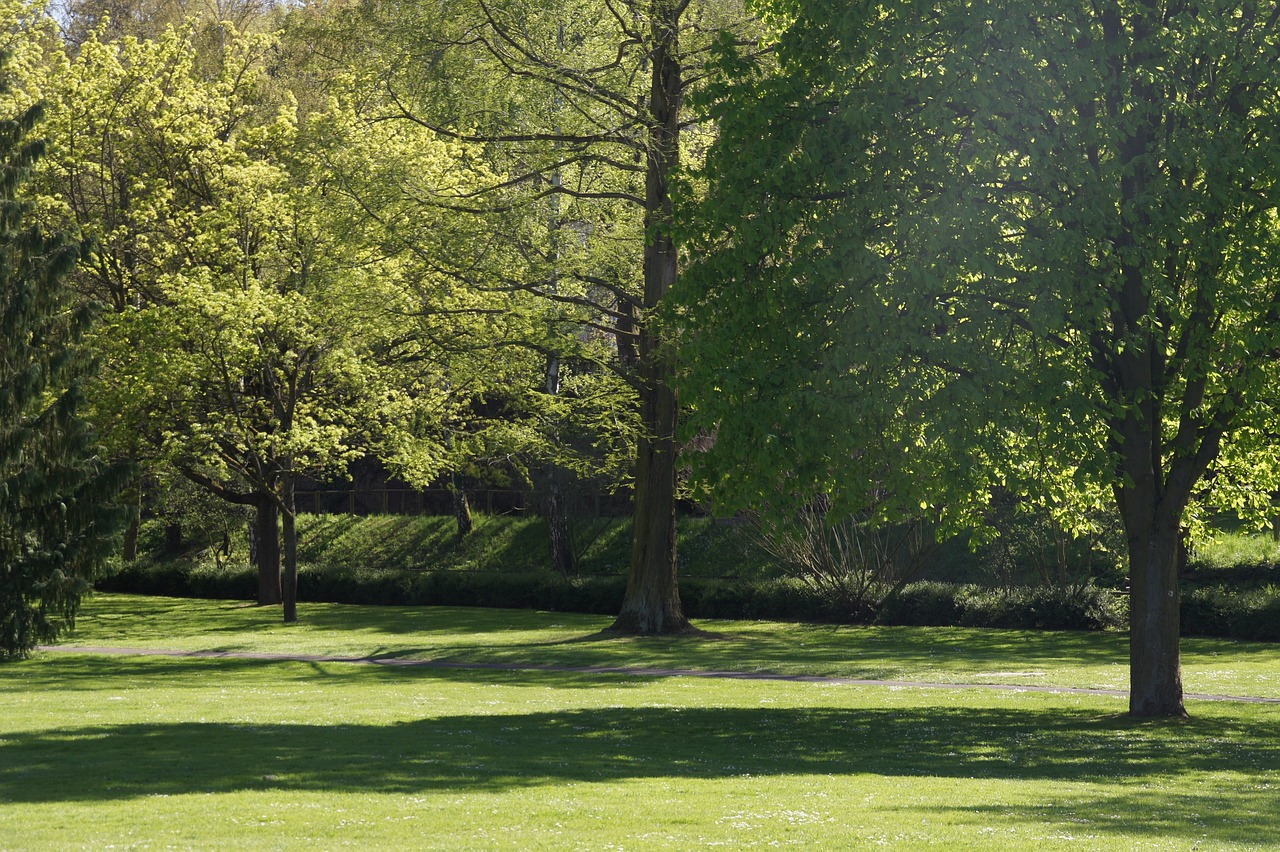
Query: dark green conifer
[[58, 512]]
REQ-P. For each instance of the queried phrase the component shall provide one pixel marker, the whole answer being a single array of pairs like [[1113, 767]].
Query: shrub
[[932, 604], [925, 604], [851, 561], [1232, 613]]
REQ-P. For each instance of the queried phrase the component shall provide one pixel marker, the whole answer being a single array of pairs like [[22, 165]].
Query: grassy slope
[[512, 543], [147, 752]]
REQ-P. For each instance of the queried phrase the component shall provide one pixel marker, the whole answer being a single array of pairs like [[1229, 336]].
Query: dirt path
[[619, 670]]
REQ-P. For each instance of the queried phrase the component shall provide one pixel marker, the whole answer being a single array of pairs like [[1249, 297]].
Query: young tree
[[982, 226], [58, 517]]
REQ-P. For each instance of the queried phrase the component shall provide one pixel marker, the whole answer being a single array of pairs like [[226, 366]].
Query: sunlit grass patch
[[149, 752]]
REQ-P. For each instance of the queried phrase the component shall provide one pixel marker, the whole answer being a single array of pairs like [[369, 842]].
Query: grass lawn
[[148, 752]]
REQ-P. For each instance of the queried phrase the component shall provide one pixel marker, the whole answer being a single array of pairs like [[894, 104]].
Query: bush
[[1252, 614], [926, 604], [177, 578], [919, 604], [849, 561], [931, 604], [781, 599]]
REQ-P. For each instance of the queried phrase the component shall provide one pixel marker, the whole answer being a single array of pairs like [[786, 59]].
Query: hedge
[[1232, 613], [939, 604]]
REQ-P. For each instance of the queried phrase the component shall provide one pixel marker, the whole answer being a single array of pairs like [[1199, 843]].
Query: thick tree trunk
[[652, 600], [266, 549], [1155, 667], [1156, 479], [289, 576]]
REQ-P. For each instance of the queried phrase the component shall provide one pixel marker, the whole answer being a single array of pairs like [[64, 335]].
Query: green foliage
[[58, 518], [211, 528], [893, 283], [239, 344], [1029, 546], [518, 249]]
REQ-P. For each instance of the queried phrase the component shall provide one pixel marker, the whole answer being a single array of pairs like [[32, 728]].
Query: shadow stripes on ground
[[629, 671]]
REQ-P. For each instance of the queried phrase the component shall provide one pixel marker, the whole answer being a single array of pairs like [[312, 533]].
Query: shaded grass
[[214, 753], [1074, 659]]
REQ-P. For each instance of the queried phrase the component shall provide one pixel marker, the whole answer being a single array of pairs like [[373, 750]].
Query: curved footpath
[[617, 670]]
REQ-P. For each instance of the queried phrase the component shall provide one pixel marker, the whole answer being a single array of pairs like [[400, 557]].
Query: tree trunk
[[172, 537], [1155, 667], [1151, 499], [289, 577], [652, 600], [129, 547], [461, 512], [266, 549], [559, 529]]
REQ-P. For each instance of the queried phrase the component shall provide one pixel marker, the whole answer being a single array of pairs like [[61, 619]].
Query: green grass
[[146, 752], [1232, 549], [950, 655]]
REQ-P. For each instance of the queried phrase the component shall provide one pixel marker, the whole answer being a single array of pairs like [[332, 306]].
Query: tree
[[980, 226], [512, 387], [244, 348], [58, 519], [578, 107]]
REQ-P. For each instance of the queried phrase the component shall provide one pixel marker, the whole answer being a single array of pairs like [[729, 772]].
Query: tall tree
[[58, 517], [985, 225], [579, 106]]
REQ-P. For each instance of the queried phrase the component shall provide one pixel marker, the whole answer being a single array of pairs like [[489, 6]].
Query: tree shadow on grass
[[494, 753], [91, 673]]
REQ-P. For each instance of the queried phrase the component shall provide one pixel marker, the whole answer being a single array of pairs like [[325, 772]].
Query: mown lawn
[[949, 655], [149, 752]]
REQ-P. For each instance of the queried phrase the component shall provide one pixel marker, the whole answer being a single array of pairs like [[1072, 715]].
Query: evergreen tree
[[58, 517]]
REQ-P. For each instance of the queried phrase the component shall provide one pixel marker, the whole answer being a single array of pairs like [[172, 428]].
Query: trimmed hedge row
[[935, 604]]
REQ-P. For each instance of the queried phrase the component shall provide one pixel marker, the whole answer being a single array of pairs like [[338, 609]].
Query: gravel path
[[618, 670]]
